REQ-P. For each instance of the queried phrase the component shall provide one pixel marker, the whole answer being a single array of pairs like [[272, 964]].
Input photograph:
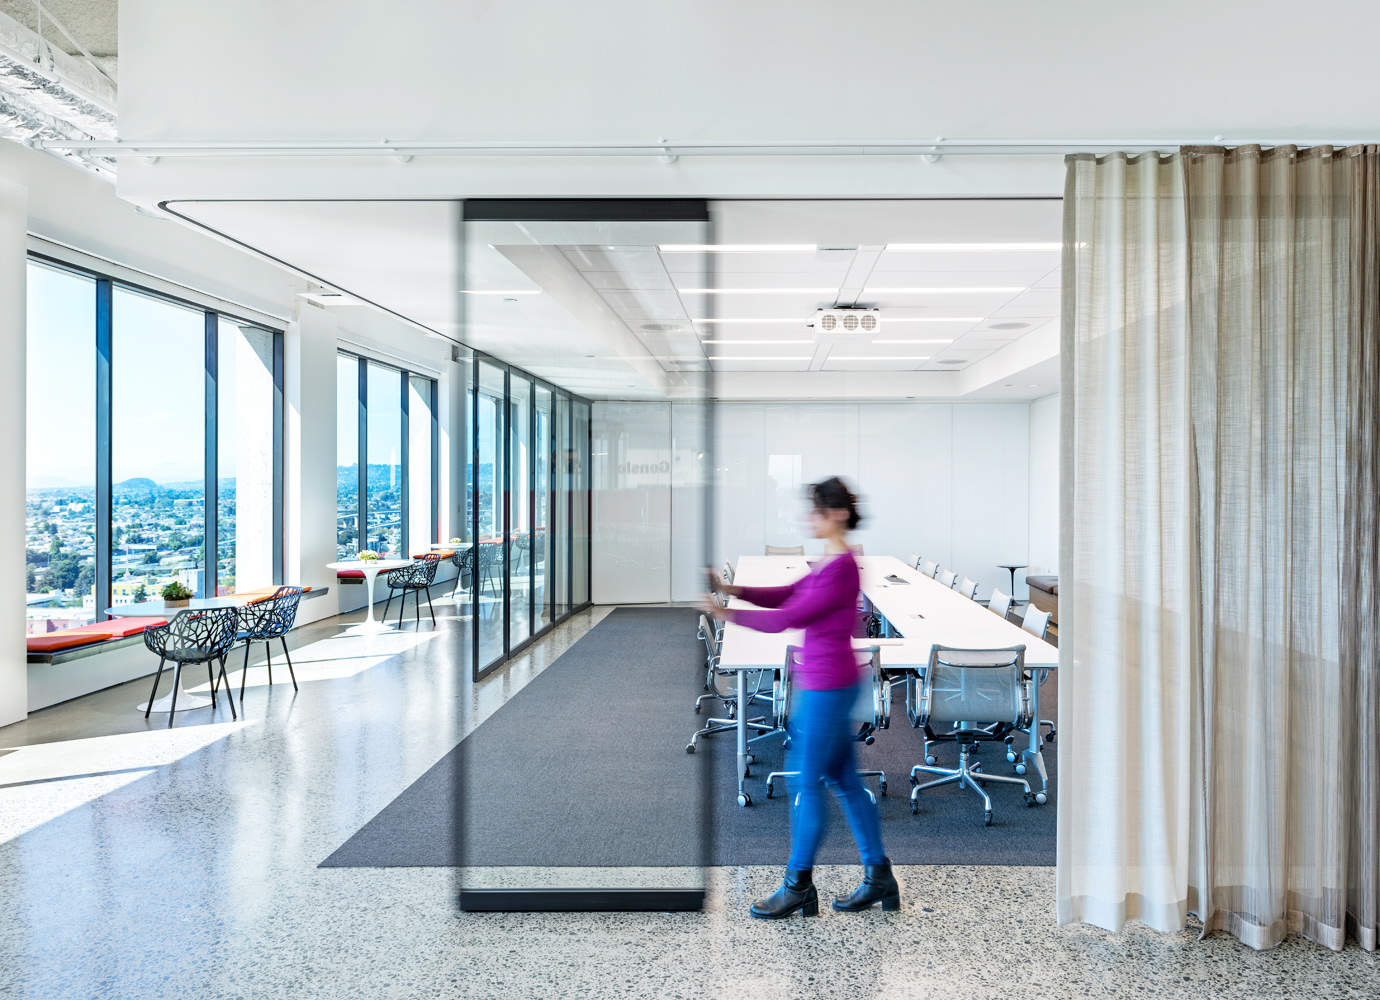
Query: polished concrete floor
[[138, 861]]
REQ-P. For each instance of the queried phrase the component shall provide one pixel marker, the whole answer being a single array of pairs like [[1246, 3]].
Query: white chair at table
[[981, 694], [968, 588], [929, 568], [785, 550], [1000, 604], [1037, 624], [728, 571], [879, 691], [948, 578], [915, 561]]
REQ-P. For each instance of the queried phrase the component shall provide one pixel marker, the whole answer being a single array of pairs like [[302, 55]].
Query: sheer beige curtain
[[1220, 481]]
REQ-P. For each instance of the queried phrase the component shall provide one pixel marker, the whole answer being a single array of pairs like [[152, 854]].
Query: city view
[[157, 535]]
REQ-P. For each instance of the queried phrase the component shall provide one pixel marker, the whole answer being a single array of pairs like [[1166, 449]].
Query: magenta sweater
[[825, 604]]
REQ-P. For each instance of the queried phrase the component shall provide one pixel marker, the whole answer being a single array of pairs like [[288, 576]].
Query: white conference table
[[919, 613], [371, 568]]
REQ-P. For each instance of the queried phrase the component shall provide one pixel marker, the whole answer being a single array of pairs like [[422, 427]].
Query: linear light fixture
[[759, 291], [969, 247], [718, 357], [793, 319], [948, 340], [923, 357], [490, 291], [772, 341], [737, 248], [941, 291], [934, 319]]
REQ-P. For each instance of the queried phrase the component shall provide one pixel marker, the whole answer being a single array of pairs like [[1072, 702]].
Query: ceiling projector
[[852, 325]]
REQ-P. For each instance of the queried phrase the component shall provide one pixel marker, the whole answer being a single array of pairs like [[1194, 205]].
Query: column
[[14, 671]]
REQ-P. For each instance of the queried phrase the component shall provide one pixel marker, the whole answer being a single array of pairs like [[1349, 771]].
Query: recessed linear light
[[941, 291], [737, 248], [948, 340], [833, 290], [757, 341], [793, 319], [969, 247], [488, 291], [922, 357], [935, 319], [717, 357]]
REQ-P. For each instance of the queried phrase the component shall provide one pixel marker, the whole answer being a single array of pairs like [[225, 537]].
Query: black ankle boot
[[797, 892], [878, 885]]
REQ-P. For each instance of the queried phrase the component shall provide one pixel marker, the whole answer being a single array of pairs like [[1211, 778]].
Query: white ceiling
[[628, 309]]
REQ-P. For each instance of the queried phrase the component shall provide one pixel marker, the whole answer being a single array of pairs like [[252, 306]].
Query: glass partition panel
[[542, 444], [158, 448], [491, 487], [421, 512], [244, 457], [60, 498], [383, 455], [519, 545], [347, 540], [588, 304]]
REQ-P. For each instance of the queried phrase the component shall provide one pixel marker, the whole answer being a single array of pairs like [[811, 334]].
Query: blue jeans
[[822, 750]]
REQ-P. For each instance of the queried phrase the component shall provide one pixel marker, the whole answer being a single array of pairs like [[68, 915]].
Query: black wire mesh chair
[[417, 578], [264, 622], [193, 637]]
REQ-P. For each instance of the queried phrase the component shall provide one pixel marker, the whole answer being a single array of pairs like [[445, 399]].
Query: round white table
[[371, 568], [186, 701]]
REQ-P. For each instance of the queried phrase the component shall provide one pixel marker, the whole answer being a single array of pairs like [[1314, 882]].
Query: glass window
[[158, 451], [244, 456], [384, 457], [421, 513], [579, 517], [60, 500], [560, 565], [347, 543]]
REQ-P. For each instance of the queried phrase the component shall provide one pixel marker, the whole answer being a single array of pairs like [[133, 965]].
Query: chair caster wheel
[[1029, 801], [744, 799], [769, 789], [785, 744], [1020, 769], [751, 759], [697, 709], [981, 783], [1011, 756], [1050, 737], [689, 748], [987, 818], [884, 789], [1041, 798], [931, 759], [869, 741], [914, 807]]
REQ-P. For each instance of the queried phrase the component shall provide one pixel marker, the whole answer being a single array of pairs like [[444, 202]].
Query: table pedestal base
[[186, 701], [370, 627]]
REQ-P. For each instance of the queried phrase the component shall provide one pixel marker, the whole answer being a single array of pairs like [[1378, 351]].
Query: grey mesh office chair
[[1000, 603], [968, 588], [929, 568], [981, 695], [1037, 623], [728, 571], [880, 689], [785, 550], [723, 686], [948, 578]]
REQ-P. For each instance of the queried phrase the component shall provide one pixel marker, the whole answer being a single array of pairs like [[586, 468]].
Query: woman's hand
[[713, 609], [717, 587]]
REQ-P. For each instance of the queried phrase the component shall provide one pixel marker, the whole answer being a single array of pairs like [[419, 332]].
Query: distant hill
[[137, 484]]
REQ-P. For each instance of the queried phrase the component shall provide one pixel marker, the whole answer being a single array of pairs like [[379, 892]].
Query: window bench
[[61, 669]]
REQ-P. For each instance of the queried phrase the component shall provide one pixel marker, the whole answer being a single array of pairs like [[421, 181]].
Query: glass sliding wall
[[491, 511], [520, 502], [561, 474], [543, 454], [579, 505]]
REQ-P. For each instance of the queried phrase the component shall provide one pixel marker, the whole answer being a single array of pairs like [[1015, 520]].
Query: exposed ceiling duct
[[47, 94]]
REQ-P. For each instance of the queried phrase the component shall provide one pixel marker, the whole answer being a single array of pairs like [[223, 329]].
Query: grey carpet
[[586, 766]]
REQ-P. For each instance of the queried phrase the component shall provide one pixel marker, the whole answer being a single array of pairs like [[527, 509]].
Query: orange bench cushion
[[261, 594], [443, 553], [349, 574], [84, 635]]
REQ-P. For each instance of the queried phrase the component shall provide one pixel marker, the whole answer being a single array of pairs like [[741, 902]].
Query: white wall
[[948, 481], [1044, 486]]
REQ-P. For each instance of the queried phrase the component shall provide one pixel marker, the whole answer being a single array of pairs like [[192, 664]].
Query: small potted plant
[[368, 555], [175, 595], [456, 541]]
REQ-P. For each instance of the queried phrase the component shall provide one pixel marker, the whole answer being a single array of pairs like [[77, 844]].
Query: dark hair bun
[[833, 494]]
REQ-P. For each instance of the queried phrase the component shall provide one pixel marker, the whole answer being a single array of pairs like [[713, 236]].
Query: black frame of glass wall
[[102, 342], [405, 377], [578, 488]]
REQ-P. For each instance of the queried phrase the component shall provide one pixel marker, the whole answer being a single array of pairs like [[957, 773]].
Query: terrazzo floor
[[137, 861]]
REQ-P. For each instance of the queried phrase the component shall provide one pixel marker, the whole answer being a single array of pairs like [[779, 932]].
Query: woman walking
[[825, 604]]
